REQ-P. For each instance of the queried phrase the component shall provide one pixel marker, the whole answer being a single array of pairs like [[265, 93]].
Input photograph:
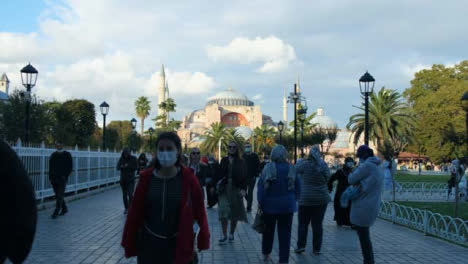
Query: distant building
[[229, 107], [4, 87]]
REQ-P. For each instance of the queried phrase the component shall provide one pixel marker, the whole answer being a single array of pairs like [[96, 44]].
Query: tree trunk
[[142, 125]]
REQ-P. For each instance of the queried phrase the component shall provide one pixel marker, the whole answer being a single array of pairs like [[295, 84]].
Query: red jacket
[[192, 208]]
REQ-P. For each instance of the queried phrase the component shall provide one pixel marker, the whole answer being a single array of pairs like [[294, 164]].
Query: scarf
[[269, 175]]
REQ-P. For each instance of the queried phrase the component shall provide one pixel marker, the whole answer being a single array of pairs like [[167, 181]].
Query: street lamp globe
[[280, 126], [366, 83], [302, 114], [151, 130], [133, 121], [104, 108], [29, 76]]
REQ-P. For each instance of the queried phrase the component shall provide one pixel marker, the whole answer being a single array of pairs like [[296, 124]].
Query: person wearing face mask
[[365, 207], [341, 176], [199, 168], [231, 187], [168, 200], [252, 164], [60, 168], [212, 197], [127, 165]]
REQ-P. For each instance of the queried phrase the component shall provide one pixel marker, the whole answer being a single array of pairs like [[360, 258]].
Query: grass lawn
[[444, 208], [403, 177]]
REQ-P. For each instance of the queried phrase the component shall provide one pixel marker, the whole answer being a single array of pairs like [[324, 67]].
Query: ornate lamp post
[[464, 100], [151, 131], [133, 121], [219, 149], [280, 129], [295, 98], [28, 78], [302, 116], [366, 85], [104, 111]]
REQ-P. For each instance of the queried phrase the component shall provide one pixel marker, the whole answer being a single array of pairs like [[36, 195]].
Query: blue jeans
[[366, 244], [284, 234], [313, 215]]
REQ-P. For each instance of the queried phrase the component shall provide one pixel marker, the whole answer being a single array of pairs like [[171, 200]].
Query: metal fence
[[443, 226], [423, 191], [90, 168]]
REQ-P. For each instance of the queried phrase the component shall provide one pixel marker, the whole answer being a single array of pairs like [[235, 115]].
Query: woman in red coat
[[167, 201]]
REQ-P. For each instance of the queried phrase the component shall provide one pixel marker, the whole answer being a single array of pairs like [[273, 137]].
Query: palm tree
[[212, 138], [142, 108], [389, 118], [265, 138]]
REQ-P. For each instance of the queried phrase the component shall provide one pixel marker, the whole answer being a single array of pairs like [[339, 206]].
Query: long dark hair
[[177, 142]]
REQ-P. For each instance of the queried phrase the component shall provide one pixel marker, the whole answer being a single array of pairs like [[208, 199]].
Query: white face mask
[[167, 158], [350, 164]]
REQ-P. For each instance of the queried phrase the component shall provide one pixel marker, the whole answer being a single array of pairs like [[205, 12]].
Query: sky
[[112, 50]]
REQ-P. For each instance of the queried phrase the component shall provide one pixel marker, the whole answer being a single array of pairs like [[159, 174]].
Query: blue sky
[[113, 49]]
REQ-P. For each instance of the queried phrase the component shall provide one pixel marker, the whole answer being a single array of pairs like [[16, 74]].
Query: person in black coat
[[341, 175], [142, 162], [60, 167], [127, 166], [199, 168], [210, 183], [252, 164], [19, 211]]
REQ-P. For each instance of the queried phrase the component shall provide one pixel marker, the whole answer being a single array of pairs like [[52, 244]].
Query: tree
[[389, 117], [435, 97], [142, 108], [212, 137], [265, 138], [162, 121], [13, 116], [80, 116], [124, 130]]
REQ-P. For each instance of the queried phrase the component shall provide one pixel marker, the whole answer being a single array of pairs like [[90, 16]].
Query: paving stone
[[92, 230]]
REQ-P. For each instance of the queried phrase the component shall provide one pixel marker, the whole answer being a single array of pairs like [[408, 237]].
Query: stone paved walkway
[[91, 233]]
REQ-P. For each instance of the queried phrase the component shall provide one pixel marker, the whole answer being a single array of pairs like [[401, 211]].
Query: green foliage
[[215, 133], [13, 117], [163, 123], [265, 139], [390, 118], [142, 108], [123, 130], [79, 118], [405, 177], [435, 96]]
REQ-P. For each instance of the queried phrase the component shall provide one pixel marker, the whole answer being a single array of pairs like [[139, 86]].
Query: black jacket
[[127, 167], [252, 164], [202, 173], [239, 177], [18, 203], [60, 166]]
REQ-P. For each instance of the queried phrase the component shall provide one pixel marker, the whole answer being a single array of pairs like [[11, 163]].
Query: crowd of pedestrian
[[166, 217]]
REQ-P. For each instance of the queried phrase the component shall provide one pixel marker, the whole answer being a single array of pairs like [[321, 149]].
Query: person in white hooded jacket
[[365, 208]]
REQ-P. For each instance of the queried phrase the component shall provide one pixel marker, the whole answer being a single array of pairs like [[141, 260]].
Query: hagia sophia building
[[235, 110]]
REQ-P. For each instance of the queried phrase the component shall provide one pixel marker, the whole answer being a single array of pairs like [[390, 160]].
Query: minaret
[[285, 109], [166, 96], [161, 90], [4, 83]]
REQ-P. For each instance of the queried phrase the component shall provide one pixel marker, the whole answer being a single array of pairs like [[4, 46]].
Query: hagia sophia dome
[[322, 120], [229, 97]]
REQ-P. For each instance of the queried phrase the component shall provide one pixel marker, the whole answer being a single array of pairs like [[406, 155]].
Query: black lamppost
[[464, 100], [151, 131], [366, 85], [280, 129], [104, 111], [28, 78], [133, 121], [295, 98], [302, 116]]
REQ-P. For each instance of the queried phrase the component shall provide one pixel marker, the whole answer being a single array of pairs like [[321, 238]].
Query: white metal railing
[[90, 168], [443, 226], [423, 191], [425, 172]]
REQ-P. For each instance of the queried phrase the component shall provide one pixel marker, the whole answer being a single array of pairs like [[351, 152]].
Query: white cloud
[[182, 83], [273, 52], [257, 97], [410, 70]]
